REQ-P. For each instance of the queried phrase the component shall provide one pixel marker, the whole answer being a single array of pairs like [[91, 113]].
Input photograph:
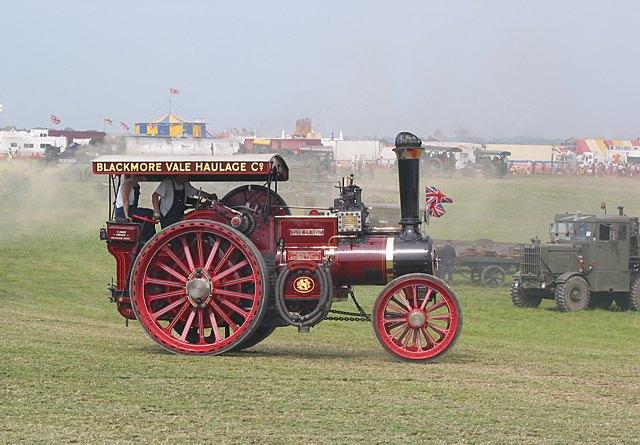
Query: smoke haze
[[491, 68]]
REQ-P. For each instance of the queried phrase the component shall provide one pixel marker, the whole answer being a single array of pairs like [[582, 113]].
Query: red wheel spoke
[[439, 330], [437, 305], [176, 260], [426, 298], [446, 317], [229, 293], [171, 271], [404, 301], [394, 320], [242, 280], [168, 308], [187, 253], [214, 250], [187, 325], [404, 337], [178, 316], [159, 281], [224, 316], [416, 338], [200, 249], [399, 308], [173, 293], [201, 325], [414, 290], [430, 340], [224, 259], [214, 325], [230, 270], [234, 308]]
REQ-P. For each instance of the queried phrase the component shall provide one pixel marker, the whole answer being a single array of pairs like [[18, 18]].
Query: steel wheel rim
[[172, 301], [398, 327], [576, 297]]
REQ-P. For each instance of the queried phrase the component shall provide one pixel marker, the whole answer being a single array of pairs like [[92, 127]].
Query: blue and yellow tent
[[172, 126]]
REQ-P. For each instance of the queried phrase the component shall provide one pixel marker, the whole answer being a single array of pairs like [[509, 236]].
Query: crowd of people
[[599, 169]]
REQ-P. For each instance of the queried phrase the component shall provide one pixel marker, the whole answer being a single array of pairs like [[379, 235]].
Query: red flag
[[124, 126], [108, 121], [173, 91], [55, 119]]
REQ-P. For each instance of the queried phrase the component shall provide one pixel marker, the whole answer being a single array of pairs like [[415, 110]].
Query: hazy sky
[[493, 68]]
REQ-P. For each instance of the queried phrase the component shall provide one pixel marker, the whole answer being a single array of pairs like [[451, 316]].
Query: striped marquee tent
[[171, 125], [604, 145]]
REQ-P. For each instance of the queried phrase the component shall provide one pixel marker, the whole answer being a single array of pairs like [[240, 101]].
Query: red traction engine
[[237, 268]]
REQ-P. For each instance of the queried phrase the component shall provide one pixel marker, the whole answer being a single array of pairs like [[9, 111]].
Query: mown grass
[[72, 372]]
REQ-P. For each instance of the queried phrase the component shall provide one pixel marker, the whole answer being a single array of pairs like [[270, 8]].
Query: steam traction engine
[[236, 268]]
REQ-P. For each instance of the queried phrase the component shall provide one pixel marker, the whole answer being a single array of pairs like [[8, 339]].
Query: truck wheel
[[524, 297], [199, 287], [417, 318], [634, 295], [573, 294], [493, 276]]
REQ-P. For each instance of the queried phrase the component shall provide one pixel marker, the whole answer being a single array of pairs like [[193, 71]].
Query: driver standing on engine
[[170, 197]]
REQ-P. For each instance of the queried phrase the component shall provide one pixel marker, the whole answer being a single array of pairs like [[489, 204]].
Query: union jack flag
[[436, 211], [435, 199], [55, 119], [173, 91], [124, 125], [108, 121]]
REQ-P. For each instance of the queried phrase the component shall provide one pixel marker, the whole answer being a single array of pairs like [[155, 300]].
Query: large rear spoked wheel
[[199, 287], [417, 318]]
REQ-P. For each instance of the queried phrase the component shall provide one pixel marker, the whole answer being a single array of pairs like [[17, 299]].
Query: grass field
[[71, 371]]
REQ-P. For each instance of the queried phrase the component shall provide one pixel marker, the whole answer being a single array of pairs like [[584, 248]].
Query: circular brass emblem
[[304, 285]]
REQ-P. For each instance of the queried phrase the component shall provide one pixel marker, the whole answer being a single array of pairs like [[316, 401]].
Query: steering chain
[[361, 315]]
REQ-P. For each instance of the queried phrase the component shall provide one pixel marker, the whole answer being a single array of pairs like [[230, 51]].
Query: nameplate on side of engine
[[307, 231], [304, 255]]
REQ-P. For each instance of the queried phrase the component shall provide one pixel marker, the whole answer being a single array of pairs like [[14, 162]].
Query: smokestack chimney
[[408, 150]]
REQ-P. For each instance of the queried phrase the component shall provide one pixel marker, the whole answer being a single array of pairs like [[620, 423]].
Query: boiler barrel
[[380, 259]]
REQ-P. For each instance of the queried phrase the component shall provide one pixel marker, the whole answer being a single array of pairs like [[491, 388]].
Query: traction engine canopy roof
[[248, 167]]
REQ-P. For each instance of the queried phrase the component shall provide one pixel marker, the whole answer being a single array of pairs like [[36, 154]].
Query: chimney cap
[[405, 139]]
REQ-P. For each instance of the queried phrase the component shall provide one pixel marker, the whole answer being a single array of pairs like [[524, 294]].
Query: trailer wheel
[[417, 318], [634, 295], [573, 294], [493, 276], [525, 297], [199, 287]]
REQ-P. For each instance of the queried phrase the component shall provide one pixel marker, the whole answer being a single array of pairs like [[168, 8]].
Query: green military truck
[[590, 261]]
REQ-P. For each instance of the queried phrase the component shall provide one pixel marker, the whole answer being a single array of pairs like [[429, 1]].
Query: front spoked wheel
[[417, 318], [199, 287]]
